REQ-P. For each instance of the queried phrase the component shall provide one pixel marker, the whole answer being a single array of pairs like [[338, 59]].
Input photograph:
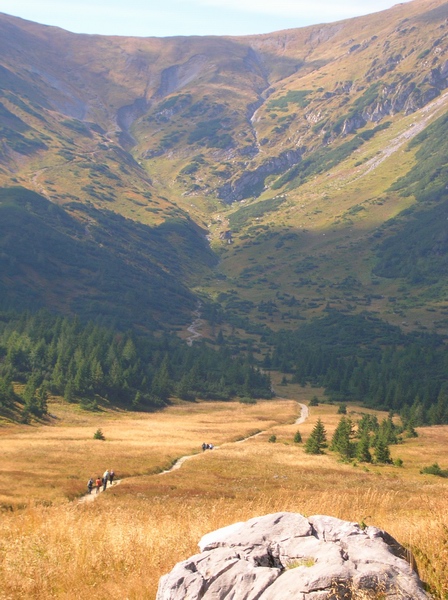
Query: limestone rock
[[285, 556]]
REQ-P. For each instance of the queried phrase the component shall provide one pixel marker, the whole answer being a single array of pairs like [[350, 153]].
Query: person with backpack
[[111, 476], [90, 486], [105, 479], [98, 484]]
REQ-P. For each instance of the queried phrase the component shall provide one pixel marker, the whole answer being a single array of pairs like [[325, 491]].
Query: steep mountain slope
[[291, 148], [96, 263]]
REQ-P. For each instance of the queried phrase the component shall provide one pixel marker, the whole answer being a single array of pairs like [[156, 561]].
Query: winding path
[[93, 495], [195, 326], [303, 417], [304, 413]]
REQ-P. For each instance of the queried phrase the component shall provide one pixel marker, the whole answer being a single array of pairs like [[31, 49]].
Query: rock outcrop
[[251, 183], [285, 556]]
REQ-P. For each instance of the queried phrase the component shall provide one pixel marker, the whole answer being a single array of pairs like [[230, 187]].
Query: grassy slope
[[324, 232], [153, 128], [155, 520]]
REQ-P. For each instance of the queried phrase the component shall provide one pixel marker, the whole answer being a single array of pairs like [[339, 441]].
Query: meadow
[[52, 546]]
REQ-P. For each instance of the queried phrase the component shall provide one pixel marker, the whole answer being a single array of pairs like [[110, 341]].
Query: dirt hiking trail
[[304, 413], [91, 497], [303, 417]]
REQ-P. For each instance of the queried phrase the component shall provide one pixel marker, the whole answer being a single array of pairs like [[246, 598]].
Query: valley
[[296, 139], [220, 239]]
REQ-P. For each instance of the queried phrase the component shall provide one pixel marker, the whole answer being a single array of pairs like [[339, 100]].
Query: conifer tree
[[314, 401], [342, 439], [363, 449], [382, 453], [317, 441], [69, 391], [6, 392]]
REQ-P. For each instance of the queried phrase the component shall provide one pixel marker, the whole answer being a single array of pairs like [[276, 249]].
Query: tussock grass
[[53, 462], [118, 546]]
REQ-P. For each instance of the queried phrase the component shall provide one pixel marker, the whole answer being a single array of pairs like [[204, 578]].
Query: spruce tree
[[314, 401], [317, 441], [342, 439], [363, 449], [382, 453]]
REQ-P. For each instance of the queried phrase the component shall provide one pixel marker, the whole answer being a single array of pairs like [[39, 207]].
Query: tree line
[[88, 363], [361, 358]]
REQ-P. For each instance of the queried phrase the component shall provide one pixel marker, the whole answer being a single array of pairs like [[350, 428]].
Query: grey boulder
[[285, 556]]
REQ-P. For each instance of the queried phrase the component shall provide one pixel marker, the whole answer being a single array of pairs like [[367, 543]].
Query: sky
[[163, 18]]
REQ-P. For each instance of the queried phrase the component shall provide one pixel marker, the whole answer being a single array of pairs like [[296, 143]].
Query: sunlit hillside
[[293, 152]]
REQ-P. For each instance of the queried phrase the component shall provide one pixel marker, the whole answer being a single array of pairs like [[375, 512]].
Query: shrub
[[273, 439], [297, 438], [434, 469], [98, 435], [247, 400]]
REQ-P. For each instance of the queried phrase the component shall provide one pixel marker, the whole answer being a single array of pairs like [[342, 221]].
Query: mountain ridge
[[251, 130]]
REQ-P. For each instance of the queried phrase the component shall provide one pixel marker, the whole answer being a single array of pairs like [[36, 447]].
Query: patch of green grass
[[292, 97], [306, 561], [253, 211]]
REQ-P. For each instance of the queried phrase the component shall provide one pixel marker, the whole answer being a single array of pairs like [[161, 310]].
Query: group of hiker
[[207, 447], [99, 482]]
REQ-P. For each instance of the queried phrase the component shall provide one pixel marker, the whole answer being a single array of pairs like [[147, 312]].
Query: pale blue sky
[[187, 17]]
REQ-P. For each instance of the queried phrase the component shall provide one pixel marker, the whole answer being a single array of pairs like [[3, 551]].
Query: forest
[[354, 357], [360, 357], [92, 364]]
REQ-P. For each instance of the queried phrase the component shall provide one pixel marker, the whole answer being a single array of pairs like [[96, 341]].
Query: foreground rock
[[285, 556]]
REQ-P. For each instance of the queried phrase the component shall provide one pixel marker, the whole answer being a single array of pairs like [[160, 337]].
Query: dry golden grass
[[51, 463], [118, 546]]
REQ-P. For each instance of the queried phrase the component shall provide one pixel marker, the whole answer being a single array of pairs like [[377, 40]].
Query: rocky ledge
[[286, 556]]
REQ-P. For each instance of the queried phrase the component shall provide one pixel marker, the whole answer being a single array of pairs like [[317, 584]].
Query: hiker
[[105, 479], [98, 483], [90, 486], [111, 476], [204, 447]]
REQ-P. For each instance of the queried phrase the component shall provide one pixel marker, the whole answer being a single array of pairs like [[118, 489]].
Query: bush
[[247, 400], [434, 469], [272, 439], [88, 404], [297, 438], [98, 435], [314, 401]]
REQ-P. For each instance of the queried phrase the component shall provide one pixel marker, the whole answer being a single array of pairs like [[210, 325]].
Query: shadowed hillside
[[297, 150]]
